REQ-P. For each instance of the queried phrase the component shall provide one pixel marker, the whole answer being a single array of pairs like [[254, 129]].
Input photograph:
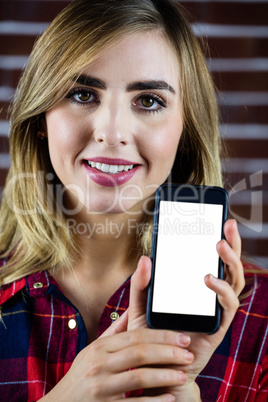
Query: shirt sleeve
[[262, 393]]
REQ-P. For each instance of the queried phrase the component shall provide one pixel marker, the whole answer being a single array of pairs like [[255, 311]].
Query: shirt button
[[38, 285], [72, 324], [114, 315]]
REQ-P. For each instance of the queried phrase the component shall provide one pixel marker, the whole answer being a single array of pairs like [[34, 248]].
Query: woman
[[116, 99]]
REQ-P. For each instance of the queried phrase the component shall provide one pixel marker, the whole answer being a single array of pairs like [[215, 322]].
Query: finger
[[232, 236], [234, 267], [149, 355], [127, 339], [159, 398], [138, 294], [227, 299], [119, 325], [144, 378]]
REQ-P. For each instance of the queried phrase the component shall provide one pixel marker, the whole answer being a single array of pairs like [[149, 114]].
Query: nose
[[111, 125]]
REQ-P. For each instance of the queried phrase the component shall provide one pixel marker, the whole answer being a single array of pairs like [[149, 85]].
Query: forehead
[[143, 56]]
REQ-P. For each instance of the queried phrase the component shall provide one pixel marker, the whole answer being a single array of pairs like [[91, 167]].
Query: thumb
[[138, 294], [120, 325]]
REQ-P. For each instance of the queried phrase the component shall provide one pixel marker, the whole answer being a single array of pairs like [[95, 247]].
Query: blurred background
[[237, 55]]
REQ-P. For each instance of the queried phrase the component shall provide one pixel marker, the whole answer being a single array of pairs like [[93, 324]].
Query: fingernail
[[212, 278], [170, 398], [183, 340], [225, 243], [188, 356], [234, 222], [219, 245], [183, 377]]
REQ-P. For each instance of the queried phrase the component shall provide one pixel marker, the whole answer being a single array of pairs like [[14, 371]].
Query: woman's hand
[[202, 345], [103, 371]]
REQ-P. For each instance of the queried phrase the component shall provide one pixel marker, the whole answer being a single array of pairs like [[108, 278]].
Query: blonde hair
[[34, 233]]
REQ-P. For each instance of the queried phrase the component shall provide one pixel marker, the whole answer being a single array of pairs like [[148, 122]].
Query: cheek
[[63, 134], [163, 144]]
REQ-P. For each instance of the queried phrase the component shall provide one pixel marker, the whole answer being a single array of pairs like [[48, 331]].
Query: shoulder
[[251, 268], [9, 290], [256, 284], [251, 317]]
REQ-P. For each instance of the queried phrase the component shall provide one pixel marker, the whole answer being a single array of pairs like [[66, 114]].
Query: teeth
[[105, 168], [112, 169]]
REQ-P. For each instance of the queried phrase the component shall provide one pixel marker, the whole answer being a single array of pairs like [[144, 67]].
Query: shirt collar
[[36, 285], [8, 291]]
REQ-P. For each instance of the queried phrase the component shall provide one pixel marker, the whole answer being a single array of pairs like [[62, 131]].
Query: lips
[[110, 172]]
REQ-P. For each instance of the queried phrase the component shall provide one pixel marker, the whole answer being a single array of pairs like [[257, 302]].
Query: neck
[[105, 243], [108, 255]]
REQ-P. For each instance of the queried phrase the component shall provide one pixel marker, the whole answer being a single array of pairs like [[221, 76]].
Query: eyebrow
[[154, 84], [135, 86], [90, 81]]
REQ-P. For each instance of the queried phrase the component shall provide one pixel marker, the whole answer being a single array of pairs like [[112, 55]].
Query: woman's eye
[[82, 96], [150, 103]]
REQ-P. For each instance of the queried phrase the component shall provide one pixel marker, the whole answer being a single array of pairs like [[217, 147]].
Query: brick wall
[[237, 34]]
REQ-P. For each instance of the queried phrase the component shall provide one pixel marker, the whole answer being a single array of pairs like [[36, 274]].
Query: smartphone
[[188, 223]]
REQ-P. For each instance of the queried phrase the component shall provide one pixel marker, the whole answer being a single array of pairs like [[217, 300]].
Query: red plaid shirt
[[38, 342]]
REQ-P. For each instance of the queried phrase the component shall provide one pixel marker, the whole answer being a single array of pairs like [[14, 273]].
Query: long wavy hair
[[33, 229]]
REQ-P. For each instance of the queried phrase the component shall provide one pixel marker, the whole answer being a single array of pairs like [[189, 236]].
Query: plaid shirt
[[41, 333]]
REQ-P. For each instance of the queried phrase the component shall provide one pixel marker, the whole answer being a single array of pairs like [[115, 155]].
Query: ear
[[42, 123], [42, 127]]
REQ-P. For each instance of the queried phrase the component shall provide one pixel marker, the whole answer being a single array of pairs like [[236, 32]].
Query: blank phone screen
[[185, 253]]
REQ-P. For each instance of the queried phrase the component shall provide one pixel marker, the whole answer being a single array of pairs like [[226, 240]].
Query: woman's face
[[113, 139]]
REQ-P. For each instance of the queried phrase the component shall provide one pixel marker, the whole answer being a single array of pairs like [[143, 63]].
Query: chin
[[113, 209]]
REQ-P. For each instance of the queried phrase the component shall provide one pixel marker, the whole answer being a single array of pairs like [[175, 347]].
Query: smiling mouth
[[109, 169]]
